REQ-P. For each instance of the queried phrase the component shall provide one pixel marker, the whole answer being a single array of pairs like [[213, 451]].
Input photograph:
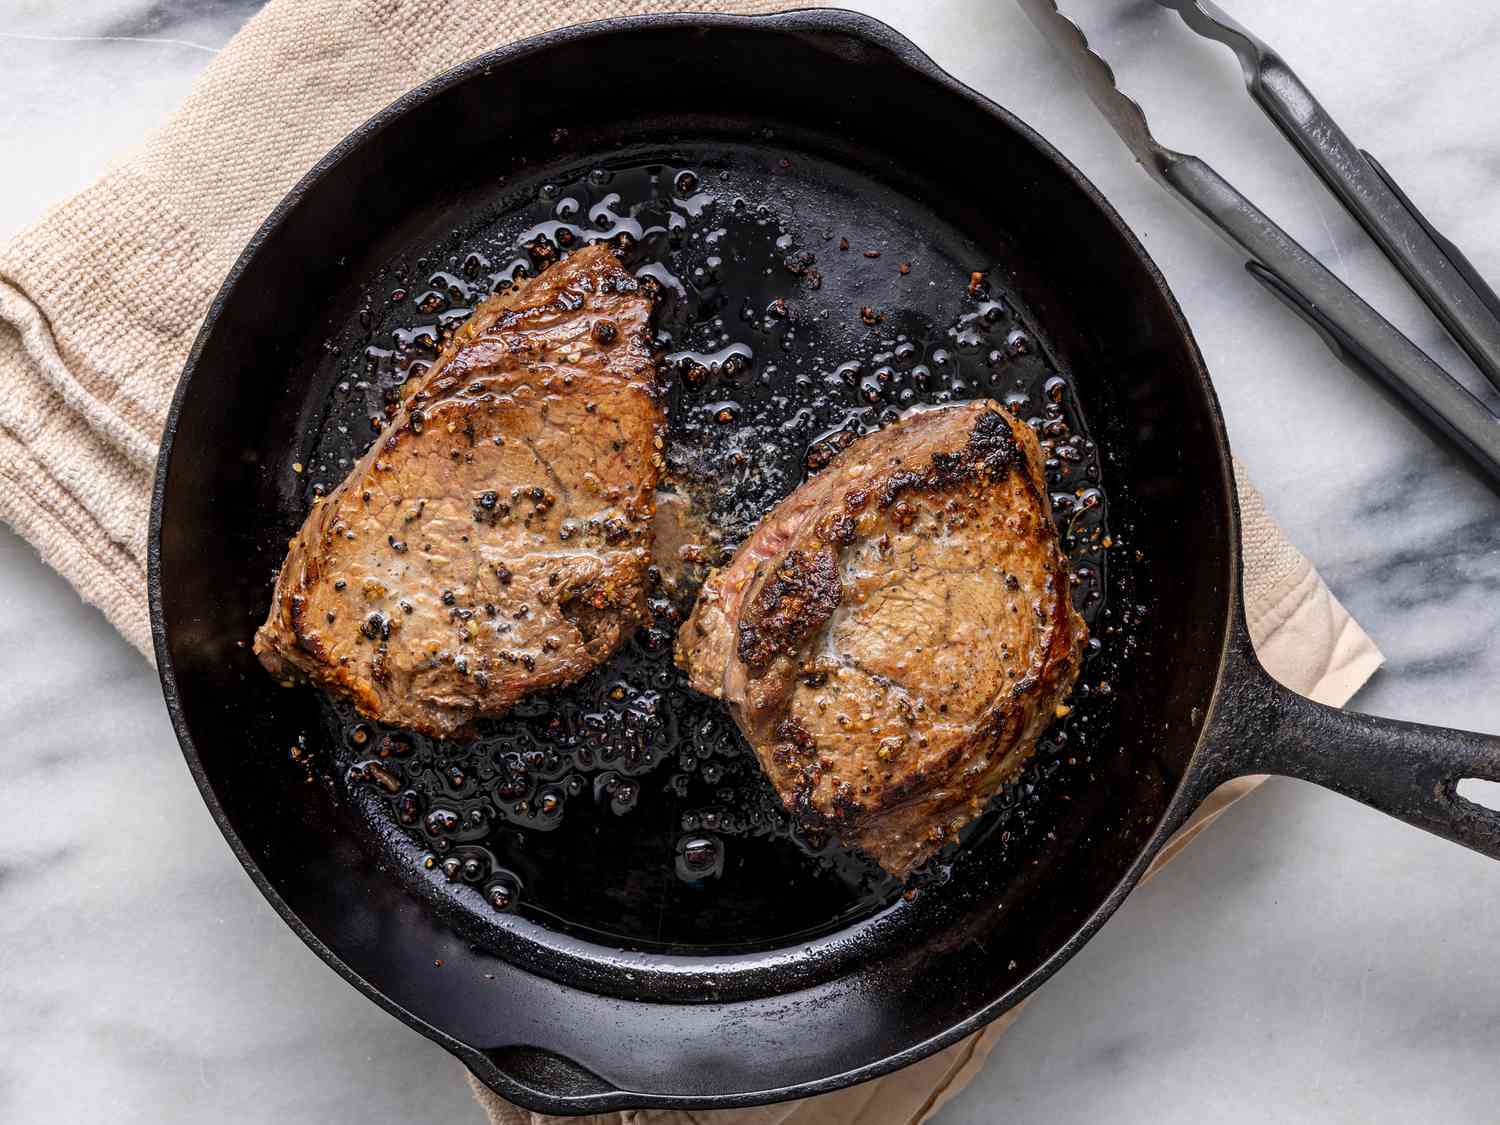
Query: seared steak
[[495, 539], [895, 634]]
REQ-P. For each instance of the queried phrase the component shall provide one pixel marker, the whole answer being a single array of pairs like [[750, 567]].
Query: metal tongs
[[1358, 335]]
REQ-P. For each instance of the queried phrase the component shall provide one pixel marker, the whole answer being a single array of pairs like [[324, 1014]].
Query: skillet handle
[[1406, 770]]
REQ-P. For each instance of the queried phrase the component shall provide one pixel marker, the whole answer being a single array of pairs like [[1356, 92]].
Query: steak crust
[[896, 634], [495, 539]]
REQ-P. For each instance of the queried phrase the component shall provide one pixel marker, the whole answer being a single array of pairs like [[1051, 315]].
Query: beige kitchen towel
[[100, 300]]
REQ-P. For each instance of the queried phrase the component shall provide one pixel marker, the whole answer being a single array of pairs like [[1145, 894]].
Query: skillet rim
[[1195, 781]]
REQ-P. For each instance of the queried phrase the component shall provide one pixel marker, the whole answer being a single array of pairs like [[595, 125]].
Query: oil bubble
[[699, 856]]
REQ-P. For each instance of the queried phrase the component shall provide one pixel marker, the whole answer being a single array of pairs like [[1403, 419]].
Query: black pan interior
[[426, 209], [800, 303]]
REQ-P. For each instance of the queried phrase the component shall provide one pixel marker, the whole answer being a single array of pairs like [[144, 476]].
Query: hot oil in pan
[[628, 807]]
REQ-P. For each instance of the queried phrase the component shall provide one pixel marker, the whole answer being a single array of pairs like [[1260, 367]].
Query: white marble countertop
[[1306, 960]]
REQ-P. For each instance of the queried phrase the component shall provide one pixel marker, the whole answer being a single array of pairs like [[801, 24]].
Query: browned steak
[[495, 540], [896, 633]]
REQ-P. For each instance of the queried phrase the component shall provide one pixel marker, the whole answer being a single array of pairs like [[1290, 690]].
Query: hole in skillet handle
[[1406, 770], [1477, 791]]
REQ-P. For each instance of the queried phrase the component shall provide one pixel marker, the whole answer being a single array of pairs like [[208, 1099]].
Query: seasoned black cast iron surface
[[599, 902]]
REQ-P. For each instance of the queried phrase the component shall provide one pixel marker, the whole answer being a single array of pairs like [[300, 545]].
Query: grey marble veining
[[1306, 960]]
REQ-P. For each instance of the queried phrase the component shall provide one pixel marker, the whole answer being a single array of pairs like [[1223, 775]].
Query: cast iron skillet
[[547, 1016]]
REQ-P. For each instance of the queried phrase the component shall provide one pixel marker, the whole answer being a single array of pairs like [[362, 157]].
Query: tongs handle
[[1359, 335], [1447, 283], [1460, 262]]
